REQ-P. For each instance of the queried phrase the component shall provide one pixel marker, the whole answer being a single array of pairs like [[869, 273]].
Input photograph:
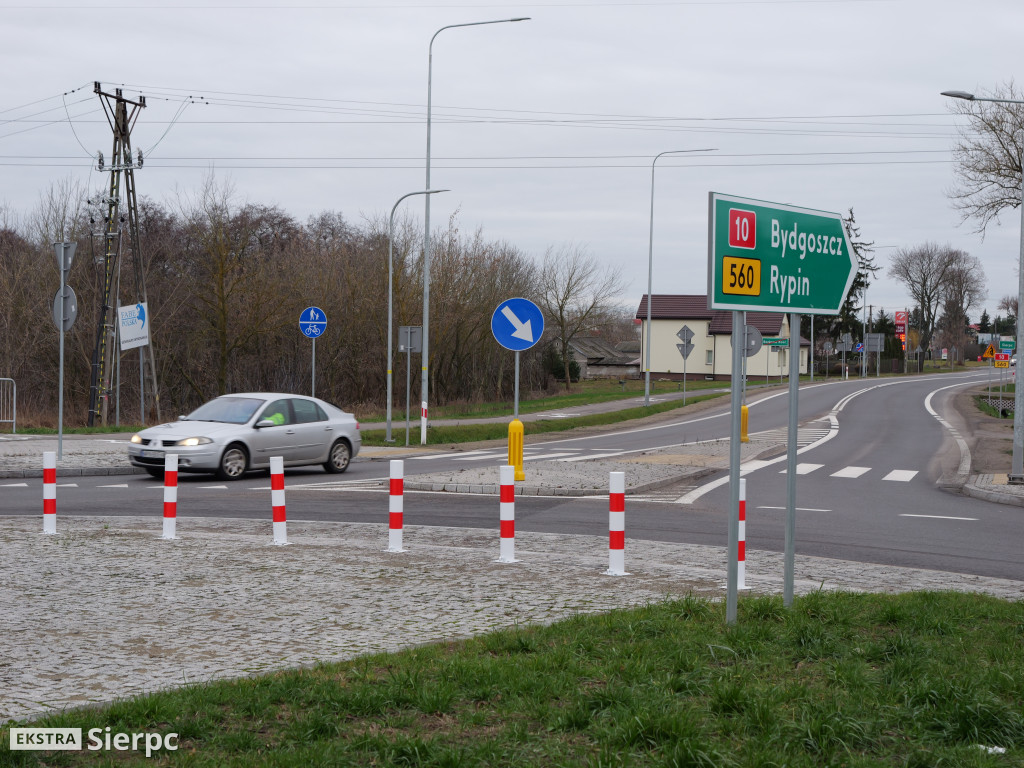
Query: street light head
[[435, 191], [959, 95], [521, 18]]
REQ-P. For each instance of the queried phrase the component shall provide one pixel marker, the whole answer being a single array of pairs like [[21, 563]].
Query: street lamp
[[425, 355], [1016, 475], [391, 285], [650, 271]]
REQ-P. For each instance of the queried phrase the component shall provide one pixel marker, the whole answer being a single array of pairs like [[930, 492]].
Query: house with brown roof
[[711, 356]]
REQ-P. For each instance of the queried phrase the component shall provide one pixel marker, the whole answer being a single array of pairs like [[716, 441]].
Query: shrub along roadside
[[918, 679]]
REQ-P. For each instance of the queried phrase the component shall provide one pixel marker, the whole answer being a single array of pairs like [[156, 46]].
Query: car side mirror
[[263, 423], [182, 418]]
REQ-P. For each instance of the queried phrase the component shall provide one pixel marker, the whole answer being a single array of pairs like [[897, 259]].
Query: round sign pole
[[312, 323]]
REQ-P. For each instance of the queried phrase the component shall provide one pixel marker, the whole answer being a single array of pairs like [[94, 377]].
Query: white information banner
[[134, 326]]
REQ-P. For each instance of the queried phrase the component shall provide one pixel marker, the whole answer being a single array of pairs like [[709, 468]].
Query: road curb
[[7, 474]]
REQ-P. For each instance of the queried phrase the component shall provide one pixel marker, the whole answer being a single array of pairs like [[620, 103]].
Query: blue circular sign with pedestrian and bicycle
[[517, 324], [312, 322]]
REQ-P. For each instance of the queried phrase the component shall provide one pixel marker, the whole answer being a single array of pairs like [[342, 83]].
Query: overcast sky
[[544, 130]]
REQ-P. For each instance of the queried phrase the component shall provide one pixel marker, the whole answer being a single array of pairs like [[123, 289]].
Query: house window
[[710, 355]]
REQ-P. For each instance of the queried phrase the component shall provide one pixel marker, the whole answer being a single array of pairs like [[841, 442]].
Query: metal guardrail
[[9, 404]]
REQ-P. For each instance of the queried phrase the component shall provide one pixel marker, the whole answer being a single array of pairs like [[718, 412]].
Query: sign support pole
[[515, 409], [60, 384], [313, 372], [794, 413], [736, 393]]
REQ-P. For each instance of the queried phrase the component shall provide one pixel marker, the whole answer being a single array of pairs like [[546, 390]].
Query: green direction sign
[[770, 257], [770, 341], [1007, 344]]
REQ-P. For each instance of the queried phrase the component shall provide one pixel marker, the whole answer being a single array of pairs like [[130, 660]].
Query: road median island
[[227, 615]]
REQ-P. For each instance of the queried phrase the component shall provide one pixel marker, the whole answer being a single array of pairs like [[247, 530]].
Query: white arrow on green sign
[[770, 257]]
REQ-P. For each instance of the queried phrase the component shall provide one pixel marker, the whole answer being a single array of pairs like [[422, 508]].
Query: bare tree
[[988, 156], [925, 270], [575, 292], [964, 290], [1008, 304]]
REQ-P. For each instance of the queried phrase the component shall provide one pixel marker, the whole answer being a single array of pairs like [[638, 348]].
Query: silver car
[[236, 433]]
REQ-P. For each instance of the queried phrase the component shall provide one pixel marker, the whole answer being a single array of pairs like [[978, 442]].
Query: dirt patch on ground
[[989, 438]]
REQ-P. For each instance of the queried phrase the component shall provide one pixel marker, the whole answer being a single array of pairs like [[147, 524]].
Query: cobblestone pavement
[[106, 609]]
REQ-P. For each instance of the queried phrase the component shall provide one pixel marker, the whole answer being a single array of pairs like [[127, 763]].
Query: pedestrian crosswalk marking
[[852, 472], [901, 475], [803, 469]]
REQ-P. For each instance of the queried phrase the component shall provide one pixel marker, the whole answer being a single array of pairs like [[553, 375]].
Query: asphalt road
[[867, 489]]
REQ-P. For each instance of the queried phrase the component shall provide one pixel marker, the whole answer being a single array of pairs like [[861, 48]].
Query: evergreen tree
[[849, 318]]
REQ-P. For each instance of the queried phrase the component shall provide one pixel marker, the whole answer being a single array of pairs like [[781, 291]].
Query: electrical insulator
[[99, 164], [140, 158]]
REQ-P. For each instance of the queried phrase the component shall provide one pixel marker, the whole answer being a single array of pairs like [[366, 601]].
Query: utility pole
[[121, 115]]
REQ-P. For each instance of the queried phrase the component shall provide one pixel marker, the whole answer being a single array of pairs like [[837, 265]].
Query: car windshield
[[230, 410]]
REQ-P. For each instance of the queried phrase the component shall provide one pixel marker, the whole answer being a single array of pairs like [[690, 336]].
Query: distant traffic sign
[[775, 341], [517, 324], [313, 322], [748, 269], [1007, 344], [989, 352]]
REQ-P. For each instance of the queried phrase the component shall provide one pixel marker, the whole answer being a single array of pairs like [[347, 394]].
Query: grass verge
[[468, 433], [919, 679]]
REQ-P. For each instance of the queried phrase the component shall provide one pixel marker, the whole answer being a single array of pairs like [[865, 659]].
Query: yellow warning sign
[[990, 352]]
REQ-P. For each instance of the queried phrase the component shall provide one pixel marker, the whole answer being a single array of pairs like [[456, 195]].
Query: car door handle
[[289, 432]]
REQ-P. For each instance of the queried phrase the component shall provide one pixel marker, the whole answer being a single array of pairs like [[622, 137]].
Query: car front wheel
[[233, 463], [339, 457]]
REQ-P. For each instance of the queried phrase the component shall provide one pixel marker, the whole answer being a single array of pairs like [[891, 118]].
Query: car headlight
[[136, 439], [194, 441]]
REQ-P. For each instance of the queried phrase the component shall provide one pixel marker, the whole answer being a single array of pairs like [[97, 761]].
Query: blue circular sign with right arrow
[[517, 324]]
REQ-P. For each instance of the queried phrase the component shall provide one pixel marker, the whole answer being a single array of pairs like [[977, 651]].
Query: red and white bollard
[[396, 500], [741, 547], [507, 553], [616, 524], [277, 499], [170, 494], [49, 492]]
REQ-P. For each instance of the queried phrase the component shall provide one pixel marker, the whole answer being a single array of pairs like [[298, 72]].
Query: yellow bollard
[[515, 448], [743, 424]]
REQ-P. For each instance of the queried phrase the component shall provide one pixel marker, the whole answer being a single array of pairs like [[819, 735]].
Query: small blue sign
[[517, 324], [859, 347], [313, 322]]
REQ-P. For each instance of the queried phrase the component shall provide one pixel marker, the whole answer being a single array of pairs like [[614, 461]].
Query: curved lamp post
[[391, 285], [1016, 476], [650, 272], [426, 226]]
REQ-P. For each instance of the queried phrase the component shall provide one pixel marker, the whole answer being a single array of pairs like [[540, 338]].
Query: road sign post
[[313, 323], [769, 257], [410, 339], [517, 324], [65, 310]]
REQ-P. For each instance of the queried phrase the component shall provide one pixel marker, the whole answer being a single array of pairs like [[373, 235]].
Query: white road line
[[14, 485], [803, 469], [211, 487], [901, 475], [965, 452], [447, 455], [548, 456], [943, 517], [488, 457], [588, 457], [799, 509], [852, 472], [67, 485], [121, 485]]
